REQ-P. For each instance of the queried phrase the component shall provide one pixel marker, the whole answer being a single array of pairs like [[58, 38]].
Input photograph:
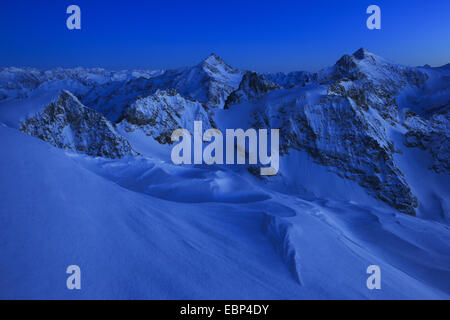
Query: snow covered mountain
[[291, 79], [67, 124], [163, 112], [343, 121], [19, 82], [210, 82], [363, 180]]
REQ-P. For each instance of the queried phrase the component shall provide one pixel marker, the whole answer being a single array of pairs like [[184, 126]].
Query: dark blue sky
[[260, 35]]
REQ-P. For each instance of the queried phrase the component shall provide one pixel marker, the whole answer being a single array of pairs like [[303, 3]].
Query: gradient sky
[[265, 36]]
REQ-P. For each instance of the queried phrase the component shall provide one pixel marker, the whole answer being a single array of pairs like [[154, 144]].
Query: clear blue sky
[[260, 35]]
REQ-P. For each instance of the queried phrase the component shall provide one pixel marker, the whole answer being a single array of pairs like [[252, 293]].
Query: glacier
[[87, 179]]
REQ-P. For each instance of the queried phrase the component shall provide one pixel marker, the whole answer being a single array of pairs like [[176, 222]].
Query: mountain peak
[[362, 53], [213, 56], [351, 61], [214, 59]]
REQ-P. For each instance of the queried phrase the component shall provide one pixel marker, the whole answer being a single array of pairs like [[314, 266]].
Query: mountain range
[[87, 179]]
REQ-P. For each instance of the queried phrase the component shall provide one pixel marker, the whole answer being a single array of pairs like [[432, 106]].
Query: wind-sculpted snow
[[181, 184], [361, 143], [163, 112], [278, 230], [342, 116], [67, 124]]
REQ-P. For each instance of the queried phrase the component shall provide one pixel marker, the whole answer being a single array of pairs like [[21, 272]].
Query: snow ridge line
[[279, 232]]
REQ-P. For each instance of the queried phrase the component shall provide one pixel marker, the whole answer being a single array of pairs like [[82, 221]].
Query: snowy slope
[[352, 120], [132, 245], [92, 183], [291, 79]]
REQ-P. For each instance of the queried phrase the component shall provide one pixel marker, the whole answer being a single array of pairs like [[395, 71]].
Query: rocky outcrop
[[371, 81], [341, 116], [345, 127], [338, 134], [68, 124], [163, 112], [221, 80], [432, 135], [252, 86]]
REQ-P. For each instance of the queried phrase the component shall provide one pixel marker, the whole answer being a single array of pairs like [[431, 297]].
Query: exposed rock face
[[221, 80], [68, 124], [345, 128], [337, 134], [160, 114], [252, 86], [371, 81], [432, 135], [342, 116]]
